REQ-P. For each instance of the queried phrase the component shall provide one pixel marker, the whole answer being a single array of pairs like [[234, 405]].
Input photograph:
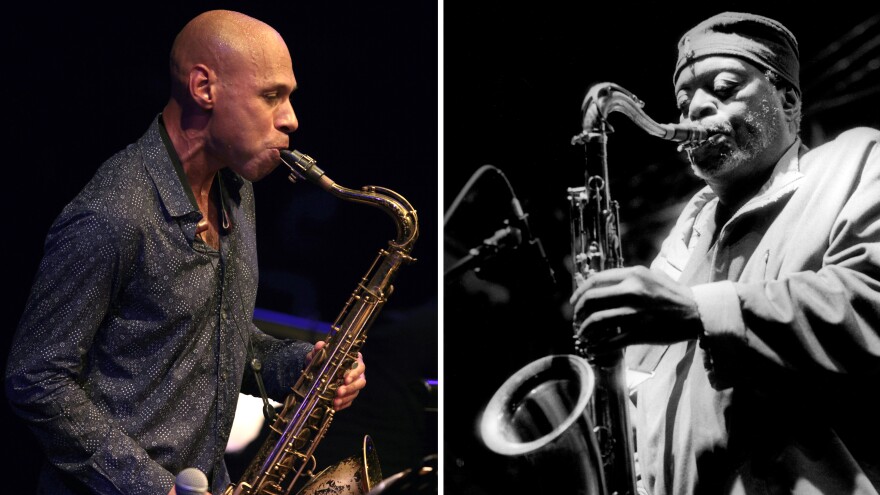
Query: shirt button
[[223, 315]]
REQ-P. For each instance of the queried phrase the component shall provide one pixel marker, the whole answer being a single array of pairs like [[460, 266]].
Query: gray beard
[[760, 129]]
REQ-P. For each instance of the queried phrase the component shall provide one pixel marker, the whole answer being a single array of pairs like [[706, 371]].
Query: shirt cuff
[[723, 329], [720, 312]]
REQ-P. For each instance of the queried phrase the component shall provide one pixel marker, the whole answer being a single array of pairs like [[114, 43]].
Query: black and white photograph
[[592, 342]]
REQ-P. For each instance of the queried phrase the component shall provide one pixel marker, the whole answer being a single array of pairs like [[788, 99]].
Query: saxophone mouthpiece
[[682, 133], [302, 166], [689, 137]]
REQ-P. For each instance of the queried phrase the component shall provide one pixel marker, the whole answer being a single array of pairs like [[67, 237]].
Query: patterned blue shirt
[[130, 355]]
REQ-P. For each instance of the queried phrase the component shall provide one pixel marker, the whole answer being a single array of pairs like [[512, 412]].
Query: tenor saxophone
[[286, 460], [567, 416]]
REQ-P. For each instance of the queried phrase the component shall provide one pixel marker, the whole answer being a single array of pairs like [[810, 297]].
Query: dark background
[[514, 80], [81, 82]]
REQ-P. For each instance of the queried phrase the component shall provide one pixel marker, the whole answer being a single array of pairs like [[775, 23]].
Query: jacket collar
[[783, 181]]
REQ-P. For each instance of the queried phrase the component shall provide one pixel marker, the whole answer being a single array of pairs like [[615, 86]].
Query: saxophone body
[[569, 414], [286, 463]]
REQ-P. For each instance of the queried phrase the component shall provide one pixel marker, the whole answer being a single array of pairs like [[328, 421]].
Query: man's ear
[[791, 103], [201, 86]]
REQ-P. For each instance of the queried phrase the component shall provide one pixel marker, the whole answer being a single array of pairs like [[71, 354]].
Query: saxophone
[[566, 417], [286, 459]]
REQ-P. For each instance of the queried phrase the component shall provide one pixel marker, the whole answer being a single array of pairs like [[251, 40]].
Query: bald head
[[231, 81], [222, 40]]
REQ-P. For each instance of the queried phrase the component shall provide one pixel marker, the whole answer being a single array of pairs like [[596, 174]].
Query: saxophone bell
[[539, 419]]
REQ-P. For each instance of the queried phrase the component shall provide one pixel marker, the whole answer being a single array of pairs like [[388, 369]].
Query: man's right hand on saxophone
[[648, 307], [355, 379]]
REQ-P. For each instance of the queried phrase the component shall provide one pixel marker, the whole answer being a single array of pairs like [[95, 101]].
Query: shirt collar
[[161, 162], [175, 160], [172, 183]]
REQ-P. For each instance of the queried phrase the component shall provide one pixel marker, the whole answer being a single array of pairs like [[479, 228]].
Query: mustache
[[720, 127]]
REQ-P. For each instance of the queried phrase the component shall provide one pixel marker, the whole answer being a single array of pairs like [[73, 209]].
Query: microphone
[[191, 481], [510, 237], [506, 238], [523, 219]]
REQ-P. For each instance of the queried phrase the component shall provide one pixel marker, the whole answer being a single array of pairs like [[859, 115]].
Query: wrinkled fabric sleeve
[[822, 324], [72, 293], [283, 361]]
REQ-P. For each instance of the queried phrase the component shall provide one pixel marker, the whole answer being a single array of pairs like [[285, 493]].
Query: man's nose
[[287, 121], [702, 105]]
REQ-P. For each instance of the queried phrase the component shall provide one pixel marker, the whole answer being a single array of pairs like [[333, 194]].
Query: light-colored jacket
[[777, 395]]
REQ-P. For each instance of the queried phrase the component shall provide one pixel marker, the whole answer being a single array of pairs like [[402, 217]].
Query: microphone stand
[[508, 237]]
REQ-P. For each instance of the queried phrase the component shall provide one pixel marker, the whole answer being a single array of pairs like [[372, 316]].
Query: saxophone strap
[[268, 410]]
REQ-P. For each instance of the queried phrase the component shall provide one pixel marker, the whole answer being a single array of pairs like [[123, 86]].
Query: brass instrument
[[286, 459], [574, 409]]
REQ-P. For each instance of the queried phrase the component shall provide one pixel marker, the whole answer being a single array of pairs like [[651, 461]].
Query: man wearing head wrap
[[760, 317]]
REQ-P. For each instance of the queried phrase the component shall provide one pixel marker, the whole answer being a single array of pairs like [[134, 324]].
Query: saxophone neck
[[396, 206], [604, 98], [303, 166]]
